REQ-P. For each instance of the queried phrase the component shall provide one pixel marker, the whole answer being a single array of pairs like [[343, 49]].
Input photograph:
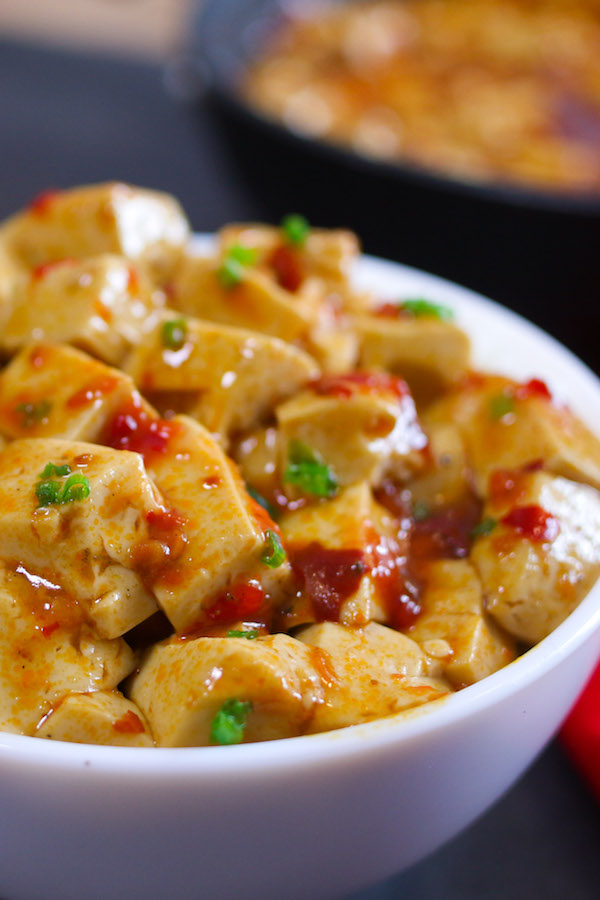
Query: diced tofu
[[182, 685], [351, 522], [147, 227], [447, 478], [13, 278], [51, 390], [452, 626], [48, 649], [101, 548], [537, 565], [256, 303], [368, 673], [430, 354], [224, 538], [100, 305], [257, 454], [227, 378], [362, 436], [505, 425], [101, 717]]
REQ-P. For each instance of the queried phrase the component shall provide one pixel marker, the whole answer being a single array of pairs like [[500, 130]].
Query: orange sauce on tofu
[[327, 576], [288, 267], [96, 389], [129, 723], [350, 383]]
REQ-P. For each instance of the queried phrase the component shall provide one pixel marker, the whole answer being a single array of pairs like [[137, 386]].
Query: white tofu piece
[[452, 627], [431, 354], [506, 425], [368, 673], [147, 227], [51, 390], [227, 378], [224, 528], [182, 685], [362, 434], [102, 548], [536, 566], [100, 305], [101, 717], [446, 479], [352, 523], [48, 648], [257, 303]]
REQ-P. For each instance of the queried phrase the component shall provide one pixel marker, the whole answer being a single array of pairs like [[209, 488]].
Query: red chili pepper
[[580, 733], [532, 522], [535, 387]]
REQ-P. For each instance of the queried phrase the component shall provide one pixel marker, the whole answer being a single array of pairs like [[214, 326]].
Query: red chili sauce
[[360, 383], [288, 267], [134, 428]]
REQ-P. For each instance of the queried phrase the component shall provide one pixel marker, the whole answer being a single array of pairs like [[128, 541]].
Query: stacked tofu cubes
[[242, 500]]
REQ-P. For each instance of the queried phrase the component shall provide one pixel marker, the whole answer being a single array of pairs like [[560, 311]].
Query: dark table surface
[[68, 119]]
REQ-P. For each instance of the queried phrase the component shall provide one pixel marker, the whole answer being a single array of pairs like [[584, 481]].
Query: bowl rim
[[307, 751], [217, 68]]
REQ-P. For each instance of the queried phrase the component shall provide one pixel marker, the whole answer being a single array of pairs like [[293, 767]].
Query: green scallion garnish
[[485, 527], [295, 229], [500, 405], [307, 471], [421, 308], [262, 501], [229, 723], [174, 333], [50, 492], [232, 269], [250, 634], [273, 554]]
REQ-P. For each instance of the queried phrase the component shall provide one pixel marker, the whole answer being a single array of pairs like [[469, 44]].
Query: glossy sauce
[[133, 428]]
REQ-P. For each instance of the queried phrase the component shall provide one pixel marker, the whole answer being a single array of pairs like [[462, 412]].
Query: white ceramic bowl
[[315, 816]]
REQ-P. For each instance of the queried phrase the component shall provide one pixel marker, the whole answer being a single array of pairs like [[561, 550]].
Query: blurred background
[[94, 90]]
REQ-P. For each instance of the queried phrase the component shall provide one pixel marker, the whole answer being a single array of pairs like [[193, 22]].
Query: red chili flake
[[533, 388], [96, 389], [360, 382], [133, 428], [288, 267], [133, 281], [532, 522], [129, 723], [47, 630], [389, 311], [239, 602], [44, 269], [41, 204]]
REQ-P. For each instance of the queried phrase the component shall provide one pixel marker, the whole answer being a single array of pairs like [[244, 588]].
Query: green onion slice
[[295, 229], [174, 333], [485, 527], [500, 405], [421, 308], [273, 554], [232, 270], [262, 501], [229, 723], [308, 472], [250, 633], [50, 492]]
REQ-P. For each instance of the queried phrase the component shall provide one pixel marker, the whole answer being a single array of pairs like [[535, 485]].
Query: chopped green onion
[[421, 308], [485, 527], [48, 492], [229, 723], [500, 405], [295, 229], [262, 501], [274, 554], [307, 471], [33, 412], [250, 634], [231, 271], [77, 487], [51, 469], [174, 333], [421, 511], [56, 493]]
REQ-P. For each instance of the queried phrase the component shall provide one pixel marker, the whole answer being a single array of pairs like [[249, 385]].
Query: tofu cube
[[506, 425], [51, 390], [227, 378], [182, 685], [147, 227], [542, 557], [429, 353], [368, 673], [453, 628], [100, 305], [101, 546], [48, 649], [101, 717]]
